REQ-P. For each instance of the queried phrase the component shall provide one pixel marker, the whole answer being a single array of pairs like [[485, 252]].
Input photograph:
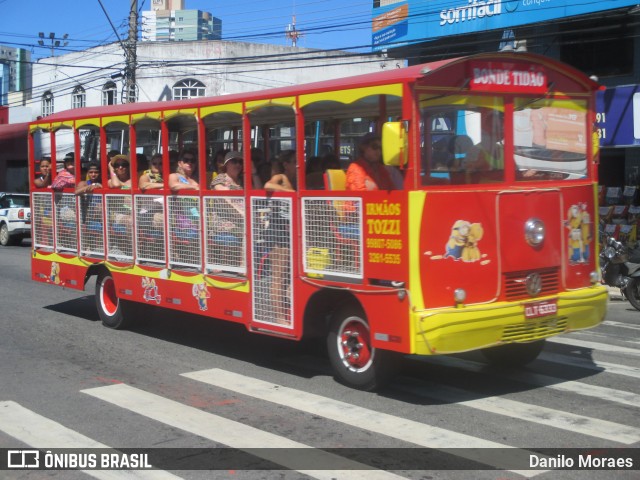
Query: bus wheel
[[355, 362], [513, 354], [110, 307]]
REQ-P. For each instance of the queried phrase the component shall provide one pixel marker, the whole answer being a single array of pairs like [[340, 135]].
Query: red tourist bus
[[485, 239]]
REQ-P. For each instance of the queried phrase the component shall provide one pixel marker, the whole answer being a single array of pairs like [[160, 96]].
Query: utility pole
[[293, 34], [130, 90]]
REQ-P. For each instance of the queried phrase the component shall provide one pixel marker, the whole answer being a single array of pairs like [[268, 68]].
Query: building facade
[[169, 21], [15, 72]]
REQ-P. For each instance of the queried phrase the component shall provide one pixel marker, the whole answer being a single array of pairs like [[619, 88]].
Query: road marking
[[621, 325], [580, 362], [37, 431], [231, 433], [404, 429], [527, 412], [537, 379], [594, 345]]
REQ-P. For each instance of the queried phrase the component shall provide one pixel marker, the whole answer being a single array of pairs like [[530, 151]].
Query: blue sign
[[429, 20], [618, 116]]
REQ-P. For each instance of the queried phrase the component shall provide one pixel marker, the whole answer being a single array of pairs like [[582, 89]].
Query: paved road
[[180, 382]]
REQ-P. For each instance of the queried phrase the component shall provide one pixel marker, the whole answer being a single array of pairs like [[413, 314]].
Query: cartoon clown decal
[[463, 241], [201, 293], [54, 276], [150, 290], [579, 225]]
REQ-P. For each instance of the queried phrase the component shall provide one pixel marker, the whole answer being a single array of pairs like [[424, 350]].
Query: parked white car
[[15, 218]]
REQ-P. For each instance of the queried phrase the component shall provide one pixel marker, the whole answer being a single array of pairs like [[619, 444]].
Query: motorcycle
[[620, 267]]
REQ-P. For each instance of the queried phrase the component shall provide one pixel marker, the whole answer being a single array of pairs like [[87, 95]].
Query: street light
[[55, 42]]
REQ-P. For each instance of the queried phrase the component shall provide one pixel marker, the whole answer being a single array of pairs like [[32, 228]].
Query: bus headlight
[[534, 232], [594, 277]]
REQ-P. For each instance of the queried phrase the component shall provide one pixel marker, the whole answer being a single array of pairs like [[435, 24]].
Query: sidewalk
[[614, 293]]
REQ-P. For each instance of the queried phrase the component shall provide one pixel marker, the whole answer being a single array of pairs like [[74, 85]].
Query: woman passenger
[[183, 179], [152, 178], [119, 174], [230, 175]]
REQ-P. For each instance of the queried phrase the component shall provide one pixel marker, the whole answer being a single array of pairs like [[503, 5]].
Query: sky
[[325, 24]]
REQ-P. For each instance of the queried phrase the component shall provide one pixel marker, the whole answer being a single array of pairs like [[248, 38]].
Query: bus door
[[272, 261]]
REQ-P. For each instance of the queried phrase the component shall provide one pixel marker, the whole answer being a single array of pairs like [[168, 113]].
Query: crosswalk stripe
[[608, 367], [228, 432], [537, 379], [37, 431], [528, 412], [621, 325], [404, 429], [605, 347]]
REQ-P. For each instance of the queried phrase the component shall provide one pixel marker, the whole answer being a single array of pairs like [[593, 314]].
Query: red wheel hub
[[108, 297], [355, 344]]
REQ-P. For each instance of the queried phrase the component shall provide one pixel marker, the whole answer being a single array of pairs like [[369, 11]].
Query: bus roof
[[399, 75]]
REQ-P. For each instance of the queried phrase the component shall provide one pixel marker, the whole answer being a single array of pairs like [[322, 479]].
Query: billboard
[[401, 22]]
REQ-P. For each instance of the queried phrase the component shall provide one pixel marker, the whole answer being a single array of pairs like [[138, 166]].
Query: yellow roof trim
[[119, 118], [59, 125], [277, 102], [183, 111], [88, 121], [228, 108], [351, 95], [136, 117], [42, 126]]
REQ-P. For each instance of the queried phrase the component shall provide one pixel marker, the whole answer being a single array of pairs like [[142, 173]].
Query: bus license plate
[[545, 308]]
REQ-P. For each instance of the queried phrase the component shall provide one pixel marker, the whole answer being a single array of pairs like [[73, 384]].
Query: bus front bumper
[[472, 327]]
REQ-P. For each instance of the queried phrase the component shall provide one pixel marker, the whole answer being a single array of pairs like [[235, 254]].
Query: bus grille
[[514, 283], [534, 330]]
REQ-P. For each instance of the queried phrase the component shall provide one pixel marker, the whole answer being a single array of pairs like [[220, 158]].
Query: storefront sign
[[618, 116]]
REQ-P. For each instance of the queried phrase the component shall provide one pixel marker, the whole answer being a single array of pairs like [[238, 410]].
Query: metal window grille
[[272, 260], [91, 225], [119, 231], [225, 229], [42, 218], [66, 222], [184, 231], [332, 243], [150, 238]]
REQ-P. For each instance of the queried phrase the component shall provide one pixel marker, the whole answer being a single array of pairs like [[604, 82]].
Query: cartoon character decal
[[579, 225], [54, 276], [201, 293], [150, 290], [463, 241]]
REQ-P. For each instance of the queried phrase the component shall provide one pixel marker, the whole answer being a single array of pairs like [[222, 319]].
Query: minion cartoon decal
[[579, 225], [463, 241], [201, 293], [150, 290], [54, 276]]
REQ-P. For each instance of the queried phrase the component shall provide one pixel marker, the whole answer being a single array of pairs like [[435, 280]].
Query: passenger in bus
[[216, 165], [151, 178], [183, 178], [314, 173], [490, 148], [230, 175], [279, 234], [119, 174], [66, 178], [44, 179], [92, 182], [286, 180], [368, 172]]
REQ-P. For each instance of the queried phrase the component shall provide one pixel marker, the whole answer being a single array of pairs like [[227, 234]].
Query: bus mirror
[[394, 144]]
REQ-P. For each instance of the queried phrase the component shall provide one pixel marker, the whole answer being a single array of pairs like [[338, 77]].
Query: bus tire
[[111, 309], [355, 362], [513, 354]]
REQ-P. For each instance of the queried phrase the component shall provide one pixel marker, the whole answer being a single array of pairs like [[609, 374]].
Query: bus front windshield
[[463, 140]]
